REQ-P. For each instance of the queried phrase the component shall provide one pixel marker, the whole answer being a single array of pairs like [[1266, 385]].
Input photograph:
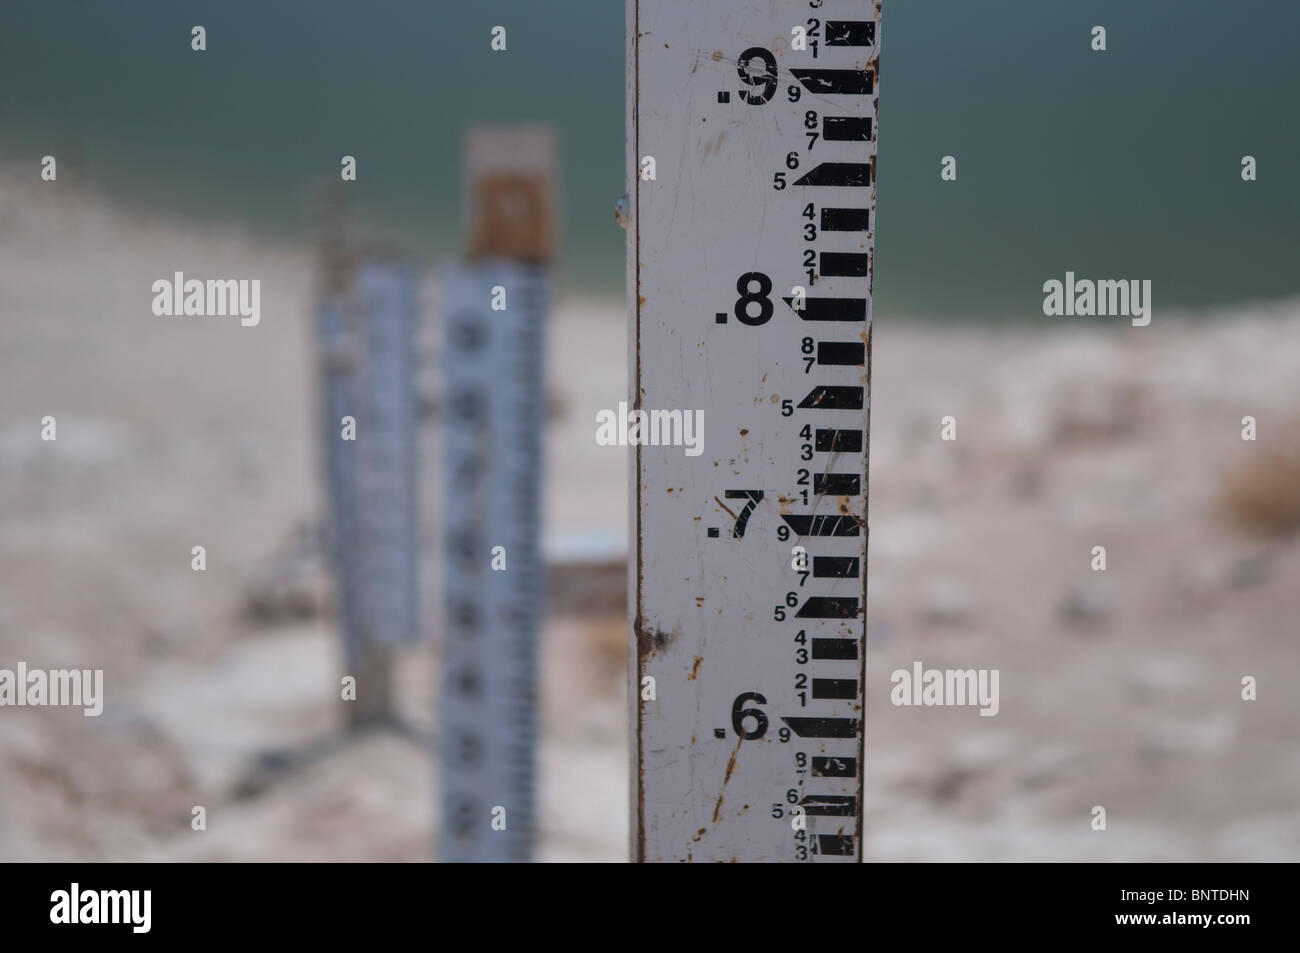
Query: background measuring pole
[[750, 265], [366, 325], [493, 313]]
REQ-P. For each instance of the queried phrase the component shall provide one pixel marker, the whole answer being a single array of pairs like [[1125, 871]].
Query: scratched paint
[[751, 747]]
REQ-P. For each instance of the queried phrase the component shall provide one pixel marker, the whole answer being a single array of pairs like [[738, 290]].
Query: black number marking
[[755, 497], [739, 713], [766, 78], [759, 297]]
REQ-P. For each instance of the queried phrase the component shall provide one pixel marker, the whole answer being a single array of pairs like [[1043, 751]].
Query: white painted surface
[[704, 607]]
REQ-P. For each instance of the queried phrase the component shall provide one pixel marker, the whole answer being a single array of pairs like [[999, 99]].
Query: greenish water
[[1117, 164]]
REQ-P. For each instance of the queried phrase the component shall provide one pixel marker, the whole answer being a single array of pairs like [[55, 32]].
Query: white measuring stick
[[365, 332], [387, 525], [493, 414], [750, 264]]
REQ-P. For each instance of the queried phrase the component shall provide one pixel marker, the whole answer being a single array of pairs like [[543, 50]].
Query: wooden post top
[[510, 192]]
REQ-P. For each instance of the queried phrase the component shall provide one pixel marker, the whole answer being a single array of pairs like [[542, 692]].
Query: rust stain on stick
[[731, 766]]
